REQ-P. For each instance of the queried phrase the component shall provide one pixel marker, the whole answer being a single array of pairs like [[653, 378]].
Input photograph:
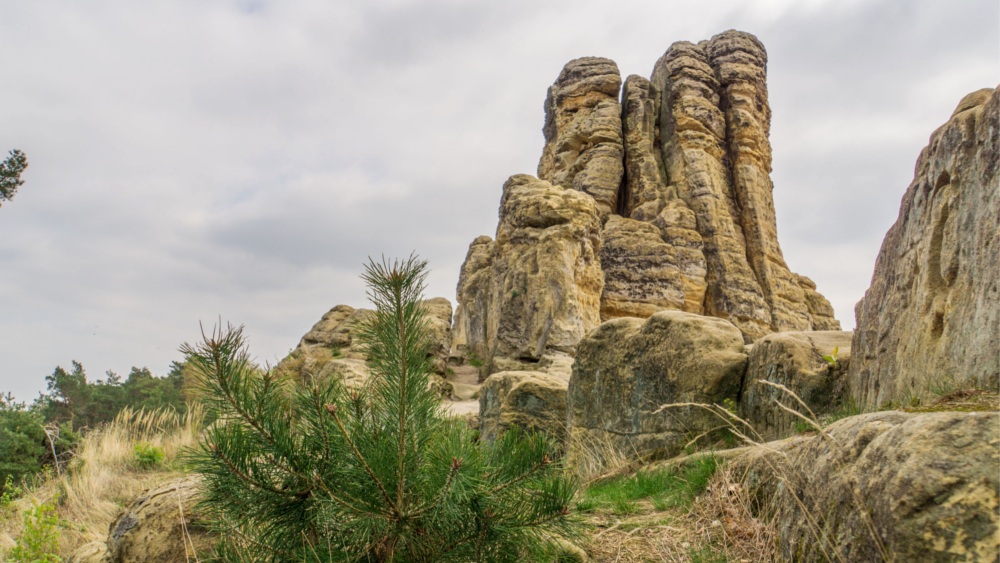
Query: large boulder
[[794, 360], [931, 318], [583, 131], [887, 486], [531, 400], [538, 290], [163, 525], [628, 368]]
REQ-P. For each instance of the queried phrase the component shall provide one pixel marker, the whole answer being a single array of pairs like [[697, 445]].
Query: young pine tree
[[321, 473]]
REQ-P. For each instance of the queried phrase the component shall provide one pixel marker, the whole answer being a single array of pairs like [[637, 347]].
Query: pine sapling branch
[[332, 409]]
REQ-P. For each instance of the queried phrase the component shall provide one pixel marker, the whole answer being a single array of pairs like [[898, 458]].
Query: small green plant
[[623, 506], [475, 394], [832, 358], [729, 405], [666, 487], [587, 505], [474, 360], [11, 492], [148, 456], [39, 543]]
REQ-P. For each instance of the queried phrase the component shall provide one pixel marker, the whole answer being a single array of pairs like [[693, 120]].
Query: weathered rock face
[[679, 177], [643, 192], [152, 529], [328, 349], [714, 126], [915, 487], [538, 290], [932, 313], [530, 400], [795, 360], [643, 274], [627, 368], [583, 131]]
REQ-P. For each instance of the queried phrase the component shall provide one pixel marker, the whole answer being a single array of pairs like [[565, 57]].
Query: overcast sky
[[198, 159]]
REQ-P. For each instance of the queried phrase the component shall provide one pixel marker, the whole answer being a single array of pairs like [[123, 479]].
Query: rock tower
[[651, 195]]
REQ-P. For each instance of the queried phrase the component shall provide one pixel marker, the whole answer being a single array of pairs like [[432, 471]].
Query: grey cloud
[[196, 159]]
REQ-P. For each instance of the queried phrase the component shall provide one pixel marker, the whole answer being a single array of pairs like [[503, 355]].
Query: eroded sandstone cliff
[[680, 213], [931, 319]]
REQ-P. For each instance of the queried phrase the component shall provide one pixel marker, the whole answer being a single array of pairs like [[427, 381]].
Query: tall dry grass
[[105, 474]]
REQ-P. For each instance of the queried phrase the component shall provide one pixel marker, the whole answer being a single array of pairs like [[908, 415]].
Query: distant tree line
[[34, 436]]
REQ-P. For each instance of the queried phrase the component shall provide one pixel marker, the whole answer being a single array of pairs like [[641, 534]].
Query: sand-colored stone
[[531, 400], [163, 525], [627, 368], [886, 486], [794, 360], [714, 126], [643, 274], [583, 131], [931, 318], [329, 348], [538, 291], [643, 193]]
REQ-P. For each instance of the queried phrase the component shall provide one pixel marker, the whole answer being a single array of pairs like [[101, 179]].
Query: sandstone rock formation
[[643, 274], [535, 290], [583, 131], [679, 178], [627, 368], [884, 486], [795, 360], [328, 349], [931, 317], [530, 400], [163, 525], [713, 127]]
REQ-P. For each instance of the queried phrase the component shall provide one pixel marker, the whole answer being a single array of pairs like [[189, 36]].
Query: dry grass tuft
[[105, 475]]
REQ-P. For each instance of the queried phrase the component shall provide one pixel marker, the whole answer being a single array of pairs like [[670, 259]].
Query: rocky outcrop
[[583, 131], [679, 177], [714, 126], [163, 525], [531, 400], [794, 360], [328, 350], [931, 317], [628, 368], [535, 290], [884, 486]]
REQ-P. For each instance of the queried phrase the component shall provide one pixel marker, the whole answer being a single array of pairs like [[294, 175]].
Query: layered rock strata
[[931, 319], [713, 128], [883, 486], [679, 178], [534, 291], [628, 368], [795, 361], [583, 131]]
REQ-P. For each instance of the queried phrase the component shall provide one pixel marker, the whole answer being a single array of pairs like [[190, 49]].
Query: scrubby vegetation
[[104, 475], [374, 474]]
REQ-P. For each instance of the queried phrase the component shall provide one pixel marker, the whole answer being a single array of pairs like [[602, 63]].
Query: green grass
[[706, 554], [669, 487]]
